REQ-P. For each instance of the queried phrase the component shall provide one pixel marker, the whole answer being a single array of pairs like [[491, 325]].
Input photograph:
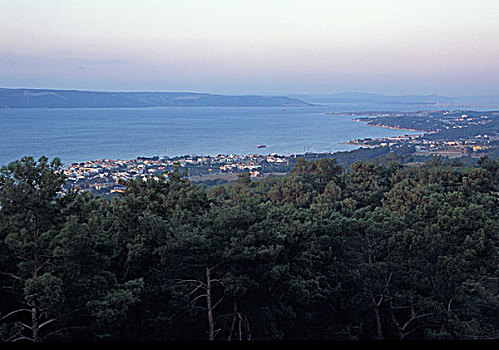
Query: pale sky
[[447, 47]]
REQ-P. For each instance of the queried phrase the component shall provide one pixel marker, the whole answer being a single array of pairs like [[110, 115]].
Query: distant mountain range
[[423, 100], [42, 98]]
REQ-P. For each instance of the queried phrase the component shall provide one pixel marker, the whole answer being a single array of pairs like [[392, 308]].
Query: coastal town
[[442, 133], [106, 176]]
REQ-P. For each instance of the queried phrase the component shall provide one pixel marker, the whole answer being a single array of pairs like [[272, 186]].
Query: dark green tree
[[27, 192]]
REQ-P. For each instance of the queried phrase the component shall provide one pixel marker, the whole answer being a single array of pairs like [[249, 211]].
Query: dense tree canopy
[[373, 251]]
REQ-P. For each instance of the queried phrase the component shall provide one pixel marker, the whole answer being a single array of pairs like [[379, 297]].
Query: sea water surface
[[79, 134]]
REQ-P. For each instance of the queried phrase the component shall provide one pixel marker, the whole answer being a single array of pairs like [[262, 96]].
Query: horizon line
[[249, 94]]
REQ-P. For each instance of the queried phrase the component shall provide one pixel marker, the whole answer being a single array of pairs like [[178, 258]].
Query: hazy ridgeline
[[373, 251]]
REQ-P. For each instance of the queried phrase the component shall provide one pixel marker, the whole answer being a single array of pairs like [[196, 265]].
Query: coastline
[[396, 128], [369, 123]]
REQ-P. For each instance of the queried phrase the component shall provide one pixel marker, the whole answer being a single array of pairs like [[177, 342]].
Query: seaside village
[[105, 175]]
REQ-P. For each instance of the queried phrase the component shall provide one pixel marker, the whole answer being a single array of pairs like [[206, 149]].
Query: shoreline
[[368, 123], [396, 128]]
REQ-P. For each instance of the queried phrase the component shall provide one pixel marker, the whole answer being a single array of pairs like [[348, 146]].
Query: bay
[[80, 134]]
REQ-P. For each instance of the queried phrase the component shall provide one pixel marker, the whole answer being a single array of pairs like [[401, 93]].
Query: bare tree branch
[[22, 324], [191, 281], [218, 302], [23, 258], [216, 280], [13, 312], [11, 275], [43, 265], [46, 323], [201, 285], [193, 301], [23, 338], [414, 317], [55, 332]]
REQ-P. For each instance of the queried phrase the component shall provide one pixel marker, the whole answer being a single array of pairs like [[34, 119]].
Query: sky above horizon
[[446, 47]]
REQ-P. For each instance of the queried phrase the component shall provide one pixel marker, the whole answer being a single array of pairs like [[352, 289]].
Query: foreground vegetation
[[374, 251]]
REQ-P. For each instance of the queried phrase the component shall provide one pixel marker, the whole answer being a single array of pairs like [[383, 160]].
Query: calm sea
[[79, 134]]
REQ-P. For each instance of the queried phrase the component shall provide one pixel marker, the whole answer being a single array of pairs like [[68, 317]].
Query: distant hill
[[430, 100], [41, 98]]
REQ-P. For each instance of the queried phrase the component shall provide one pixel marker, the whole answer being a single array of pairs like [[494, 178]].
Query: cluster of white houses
[[102, 174]]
